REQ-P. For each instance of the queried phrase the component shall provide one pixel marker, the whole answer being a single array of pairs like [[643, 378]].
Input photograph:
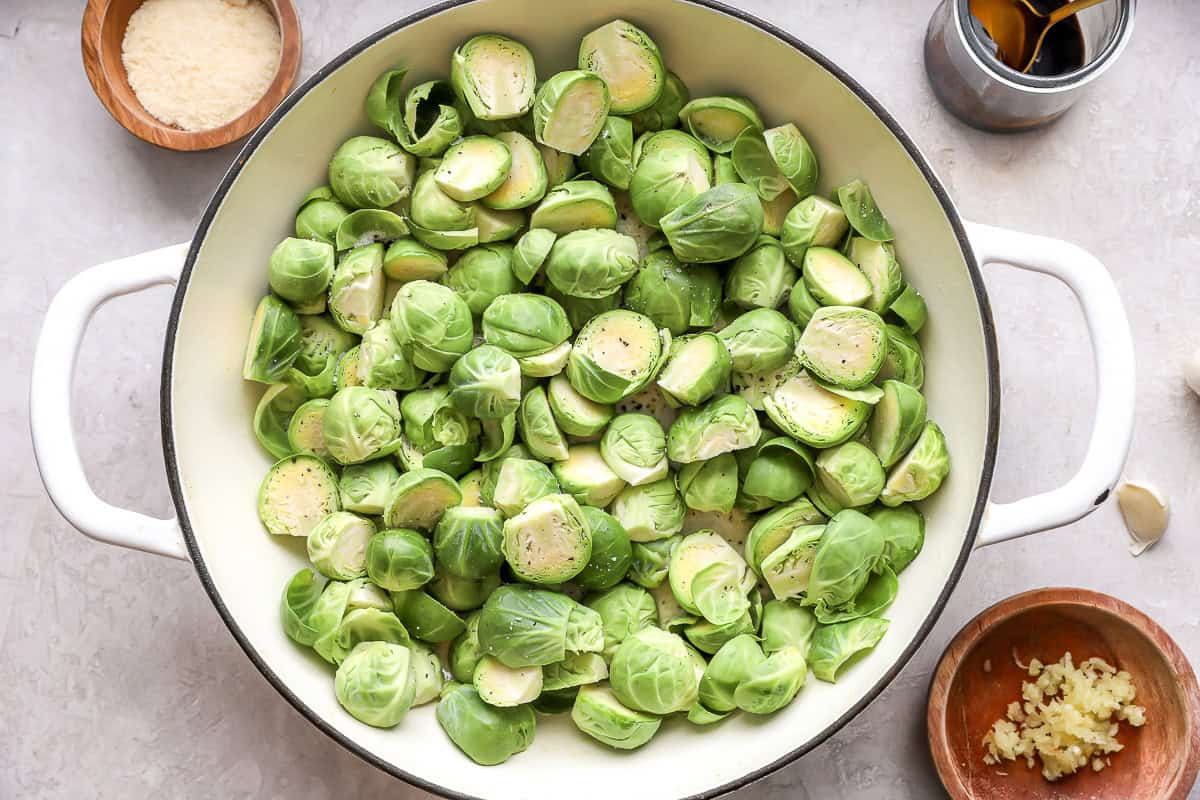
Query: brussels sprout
[[524, 627], [910, 307], [465, 651], [382, 103], [628, 61], [426, 618], [773, 528], [482, 274], [788, 567], [575, 205], [708, 637], [794, 157], [574, 671], [591, 264], [781, 471], [520, 482], [337, 545], [823, 500], [547, 364], [723, 425], [718, 121], [813, 222], [671, 169], [326, 614], [904, 361], [486, 383], [486, 734], [275, 342], [375, 683], [361, 424], [471, 486], [364, 594], [843, 345], [300, 270], [527, 179], [347, 369], [903, 534], [539, 431], [772, 683], [497, 436], [473, 168], [717, 225], [878, 593], [318, 217], [497, 226], [762, 277], [506, 687], [525, 324], [815, 416], [862, 212], [419, 498], [491, 470], [775, 212], [467, 541], [463, 239], [730, 667], [697, 368], [651, 561], [299, 598], [615, 355], [356, 294], [399, 560], [673, 297], [434, 322], [759, 340], [801, 304], [650, 511], [755, 387], [560, 167], [695, 554], [297, 493], [433, 118], [368, 225], [569, 110], [718, 594], [384, 362], [652, 671], [664, 113], [877, 260], [429, 419], [635, 448], [549, 541], [897, 421], [369, 172], [724, 171], [921, 472], [710, 485], [495, 76], [358, 626], [849, 550], [364, 488], [612, 552], [580, 309], [586, 477], [433, 209], [756, 166], [306, 430], [624, 610], [833, 279], [321, 340], [834, 645], [598, 713], [427, 674], [610, 157], [531, 252], [786, 623]]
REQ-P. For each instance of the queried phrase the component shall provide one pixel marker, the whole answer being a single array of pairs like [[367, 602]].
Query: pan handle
[[50, 402], [1112, 348]]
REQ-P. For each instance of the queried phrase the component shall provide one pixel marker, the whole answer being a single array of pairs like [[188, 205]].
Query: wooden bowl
[[1160, 759], [104, 23]]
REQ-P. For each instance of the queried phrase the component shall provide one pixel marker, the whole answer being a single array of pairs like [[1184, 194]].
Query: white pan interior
[[220, 465]]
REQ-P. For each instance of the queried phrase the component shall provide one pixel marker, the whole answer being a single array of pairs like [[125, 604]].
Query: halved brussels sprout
[[321, 340], [585, 476], [497, 226], [612, 552], [615, 355], [337, 545], [801, 304], [756, 166], [651, 560], [473, 168], [787, 568], [427, 672], [347, 369], [306, 430], [375, 683], [356, 293], [794, 156], [921, 472], [491, 470], [773, 683], [433, 118], [754, 387], [717, 225], [718, 121], [823, 500], [407, 259], [697, 552], [877, 260], [844, 346], [549, 541], [697, 368], [569, 110], [851, 474], [434, 322], [537, 427], [834, 645], [486, 383], [718, 594], [628, 61], [426, 618], [671, 169], [368, 225], [635, 448], [759, 340], [506, 687], [574, 671], [662, 289], [591, 264], [760, 278], [369, 172], [531, 252], [903, 534], [319, 216], [364, 488], [897, 421], [624, 610], [465, 651], [815, 416], [527, 178], [358, 626], [731, 666], [910, 307], [419, 498], [494, 75], [482, 274], [723, 425], [773, 528], [878, 593], [652, 671], [664, 113], [463, 239], [862, 211], [848, 552], [710, 485], [724, 171], [598, 713], [610, 157], [467, 541], [361, 424], [275, 342], [520, 482], [300, 270], [904, 361], [813, 222], [384, 363], [486, 734], [524, 627], [326, 615], [776, 211], [780, 471], [382, 103], [833, 279], [364, 594], [525, 324], [299, 598], [560, 167], [650, 511], [575, 205], [399, 559], [786, 623]]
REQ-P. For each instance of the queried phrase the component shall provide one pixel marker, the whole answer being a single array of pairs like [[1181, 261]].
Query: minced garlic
[[1068, 718], [199, 64]]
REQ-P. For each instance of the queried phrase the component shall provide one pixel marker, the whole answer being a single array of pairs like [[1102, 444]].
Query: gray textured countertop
[[117, 677]]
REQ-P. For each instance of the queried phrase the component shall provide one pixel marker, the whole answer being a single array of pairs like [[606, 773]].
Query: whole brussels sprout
[[762, 277], [399, 560], [591, 263], [723, 425], [383, 363], [487, 734], [549, 541], [851, 474], [624, 609], [319, 216], [671, 169], [467, 541], [612, 552], [434, 321], [525, 324], [486, 383], [495, 76], [369, 172], [664, 113], [482, 274], [337, 545], [300, 269], [635, 448], [628, 61], [759, 340], [523, 627], [598, 713], [921, 472], [673, 296], [375, 683], [650, 511], [710, 485], [361, 424], [652, 671]]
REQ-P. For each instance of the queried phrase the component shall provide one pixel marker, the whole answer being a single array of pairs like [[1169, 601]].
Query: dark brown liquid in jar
[[1004, 21]]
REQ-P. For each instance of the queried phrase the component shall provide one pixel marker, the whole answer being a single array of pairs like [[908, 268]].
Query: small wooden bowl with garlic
[[986, 666], [142, 58]]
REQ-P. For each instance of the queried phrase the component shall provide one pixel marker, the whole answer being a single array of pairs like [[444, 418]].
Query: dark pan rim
[[985, 314]]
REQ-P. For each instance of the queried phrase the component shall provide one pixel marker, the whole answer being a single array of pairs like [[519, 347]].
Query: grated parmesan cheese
[[199, 64]]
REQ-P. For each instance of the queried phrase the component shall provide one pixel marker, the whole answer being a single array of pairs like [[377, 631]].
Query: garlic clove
[[1146, 514]]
